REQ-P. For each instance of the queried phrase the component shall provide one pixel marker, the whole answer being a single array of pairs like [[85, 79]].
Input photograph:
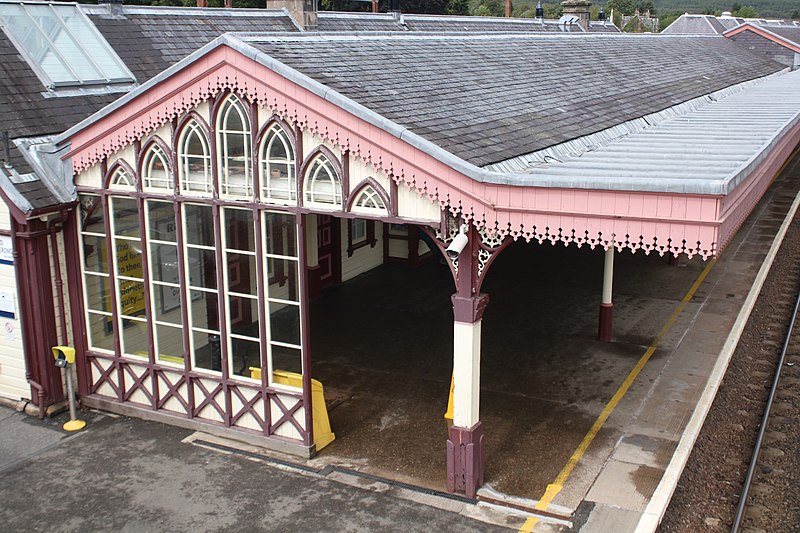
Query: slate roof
[[150, 39], [490, 98], [147, 39], [688, 24], [385, 22], [790, 33]]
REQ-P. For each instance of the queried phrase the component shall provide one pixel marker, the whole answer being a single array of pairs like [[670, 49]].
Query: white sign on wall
[[6, 250]]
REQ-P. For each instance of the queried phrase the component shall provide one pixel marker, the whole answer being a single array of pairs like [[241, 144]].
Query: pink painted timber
[[664, 223]]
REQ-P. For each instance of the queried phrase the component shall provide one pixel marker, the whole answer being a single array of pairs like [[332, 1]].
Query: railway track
[[714, 480], [772, 474]]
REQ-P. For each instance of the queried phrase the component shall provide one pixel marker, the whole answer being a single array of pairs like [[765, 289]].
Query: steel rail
[[737, 522]]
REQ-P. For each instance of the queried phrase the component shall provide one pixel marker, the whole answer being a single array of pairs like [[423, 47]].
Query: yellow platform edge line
[[555, 487]]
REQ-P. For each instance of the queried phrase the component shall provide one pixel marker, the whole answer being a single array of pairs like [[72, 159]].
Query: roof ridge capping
[[574, 148], [269, 37]]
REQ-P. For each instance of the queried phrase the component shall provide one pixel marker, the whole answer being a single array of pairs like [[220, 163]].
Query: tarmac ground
[[129, 475]]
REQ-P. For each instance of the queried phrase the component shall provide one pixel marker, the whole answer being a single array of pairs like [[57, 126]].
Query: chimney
[[578, 9], [113, 7], [304, 12], [539, 10]]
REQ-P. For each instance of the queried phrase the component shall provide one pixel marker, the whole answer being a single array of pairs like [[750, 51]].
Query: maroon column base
[[465, 459], [604, 327]]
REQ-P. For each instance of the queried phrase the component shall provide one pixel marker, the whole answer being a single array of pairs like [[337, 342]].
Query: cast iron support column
[[465, 453], [606, 305]]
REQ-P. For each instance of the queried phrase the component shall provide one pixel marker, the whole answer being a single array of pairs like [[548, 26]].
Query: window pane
[[164, 263], [131, 298], [244, 355], [161, 218], [204, 310], [199, 227], [167, 304], [126, 217], [284, 320], [207, 352], [98, 295], [134, 338], [92, 214], [169, 344], [202, 265], [282, 279], [243, 316], [129, 258], [239, 230], [94, 254], [286, 359], [281, 234], [242, 274], [101, 332]]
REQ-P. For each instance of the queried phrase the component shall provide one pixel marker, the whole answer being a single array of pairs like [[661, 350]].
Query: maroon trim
[[255, 160], [345, 181], [604, 325], [369, 237], [305, 331], [465, 459], [394, 201], [37, 316], [173, 390]]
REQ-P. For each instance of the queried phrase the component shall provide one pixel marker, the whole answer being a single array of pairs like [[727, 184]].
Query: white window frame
[[313, 179], [106, 276], [269, 192], [193, 186], [156, 153], [229, 186]]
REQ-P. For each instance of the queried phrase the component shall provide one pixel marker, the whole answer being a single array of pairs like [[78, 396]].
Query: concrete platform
[[382, 346]]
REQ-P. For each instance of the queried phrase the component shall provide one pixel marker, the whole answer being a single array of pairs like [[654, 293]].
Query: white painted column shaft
[[608, 275], [467, 373], [312, 246]]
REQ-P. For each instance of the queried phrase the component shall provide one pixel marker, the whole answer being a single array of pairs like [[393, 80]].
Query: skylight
[[61, 45]]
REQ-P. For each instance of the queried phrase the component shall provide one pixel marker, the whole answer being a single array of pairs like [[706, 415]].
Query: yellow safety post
[[322, 426], [64, 356], [449, 414]]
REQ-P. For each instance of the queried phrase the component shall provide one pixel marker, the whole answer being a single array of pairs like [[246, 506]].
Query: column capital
[[469, 309]]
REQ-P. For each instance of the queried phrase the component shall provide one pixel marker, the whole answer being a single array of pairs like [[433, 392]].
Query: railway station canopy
[[555, 137]]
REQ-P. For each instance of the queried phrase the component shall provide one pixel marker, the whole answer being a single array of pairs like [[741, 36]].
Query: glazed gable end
[[665, 223]]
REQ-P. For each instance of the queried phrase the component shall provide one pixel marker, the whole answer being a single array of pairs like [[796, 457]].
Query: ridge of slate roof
[[338, 21], [451, 129]]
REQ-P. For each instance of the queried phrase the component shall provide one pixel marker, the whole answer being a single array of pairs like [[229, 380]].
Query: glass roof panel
[[61, 45]]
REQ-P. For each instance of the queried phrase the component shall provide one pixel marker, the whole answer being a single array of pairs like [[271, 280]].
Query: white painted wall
[[363, 259], [13, 384]]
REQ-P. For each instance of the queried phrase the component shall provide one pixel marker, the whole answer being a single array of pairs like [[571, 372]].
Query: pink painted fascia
[[665, 223]]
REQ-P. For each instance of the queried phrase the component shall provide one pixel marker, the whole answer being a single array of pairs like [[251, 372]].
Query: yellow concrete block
[[322, 426]]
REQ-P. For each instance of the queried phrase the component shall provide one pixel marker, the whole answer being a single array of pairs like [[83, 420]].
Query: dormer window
[[155, 171], [277, 167], [233, 139], [322, 184], [194, 160]]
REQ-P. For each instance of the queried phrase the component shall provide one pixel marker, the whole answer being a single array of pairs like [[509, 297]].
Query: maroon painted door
[[330, 261]]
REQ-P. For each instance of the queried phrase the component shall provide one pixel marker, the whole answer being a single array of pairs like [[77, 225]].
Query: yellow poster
[[129, 264]]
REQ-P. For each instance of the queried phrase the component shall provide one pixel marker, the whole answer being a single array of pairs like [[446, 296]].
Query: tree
[[458, 7], [621, 7], [490, 8], [746, 12]]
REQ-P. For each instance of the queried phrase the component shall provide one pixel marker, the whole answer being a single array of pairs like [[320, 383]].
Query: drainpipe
[[55, 226]]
